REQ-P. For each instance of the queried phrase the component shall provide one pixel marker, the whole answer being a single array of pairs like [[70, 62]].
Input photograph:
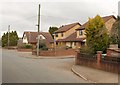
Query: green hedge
[[42, 46], [86, 49], [26, 46]]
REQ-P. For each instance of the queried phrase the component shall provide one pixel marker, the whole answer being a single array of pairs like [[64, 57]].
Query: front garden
[[95, 53]]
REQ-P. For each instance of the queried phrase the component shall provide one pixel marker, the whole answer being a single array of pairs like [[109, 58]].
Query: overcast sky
[[22, 16]]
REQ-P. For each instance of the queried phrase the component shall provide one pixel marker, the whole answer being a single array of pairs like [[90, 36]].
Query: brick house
[[73, 35], [31, 38], [108, 20], [63, 35]]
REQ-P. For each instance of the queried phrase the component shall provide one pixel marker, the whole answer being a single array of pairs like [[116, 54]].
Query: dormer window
[[81, 32], [56, 35], [62, 34]]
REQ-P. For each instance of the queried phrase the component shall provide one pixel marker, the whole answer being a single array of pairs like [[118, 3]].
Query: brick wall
[[107, 63], [113, 52], [24, 50], [57, 53]]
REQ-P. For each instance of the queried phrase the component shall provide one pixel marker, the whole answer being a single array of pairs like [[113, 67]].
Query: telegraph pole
[[38, 38], [8, 35], [39, 19]]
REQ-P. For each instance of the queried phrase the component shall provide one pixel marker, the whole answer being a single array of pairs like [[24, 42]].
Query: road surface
[[18, 69]]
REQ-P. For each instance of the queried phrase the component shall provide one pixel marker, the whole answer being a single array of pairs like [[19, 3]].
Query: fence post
[[99, 55]]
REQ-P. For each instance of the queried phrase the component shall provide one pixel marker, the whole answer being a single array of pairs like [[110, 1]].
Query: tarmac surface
[[18, 69]]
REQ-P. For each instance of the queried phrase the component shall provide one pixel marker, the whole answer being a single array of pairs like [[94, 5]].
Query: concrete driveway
[[17, 69]]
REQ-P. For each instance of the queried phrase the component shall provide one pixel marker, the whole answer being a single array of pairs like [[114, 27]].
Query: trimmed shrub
[[67, 47], [27, 46], [87, 50], [42, 46]]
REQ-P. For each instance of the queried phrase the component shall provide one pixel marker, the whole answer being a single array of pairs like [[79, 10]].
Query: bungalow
[[31, 38], [73, 35]]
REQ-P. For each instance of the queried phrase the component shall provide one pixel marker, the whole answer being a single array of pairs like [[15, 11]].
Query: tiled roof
[[66, 27], [32, 36], [105, 19], [72, 37]]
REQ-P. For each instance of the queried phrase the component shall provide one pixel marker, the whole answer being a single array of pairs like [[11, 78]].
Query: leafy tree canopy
[[13, 39], [52, 30], [96, 34], [118, 31], [114, 33]]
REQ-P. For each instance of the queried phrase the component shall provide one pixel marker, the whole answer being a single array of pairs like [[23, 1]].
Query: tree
[[13, 38], [118, 31], [42, 46], [52, 30], [114, 33], [4, 40], [96, 34]]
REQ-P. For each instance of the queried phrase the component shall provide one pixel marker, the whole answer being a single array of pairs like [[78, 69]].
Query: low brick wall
[[113, 52], [55, 53], [86, 60], [24, 50], [110, 64]]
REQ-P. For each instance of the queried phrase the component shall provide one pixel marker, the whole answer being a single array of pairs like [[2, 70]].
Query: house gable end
[[25, 39]]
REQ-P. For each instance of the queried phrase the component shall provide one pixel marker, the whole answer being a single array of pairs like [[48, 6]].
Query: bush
[[86, 49], [27, 46], [119, 44], [21, 45], [42, 46], [67, 47]]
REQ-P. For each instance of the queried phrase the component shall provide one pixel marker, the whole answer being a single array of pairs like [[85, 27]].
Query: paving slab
[[95, 75]]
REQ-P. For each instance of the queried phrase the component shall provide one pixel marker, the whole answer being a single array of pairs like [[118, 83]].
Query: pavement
[[95, 75]]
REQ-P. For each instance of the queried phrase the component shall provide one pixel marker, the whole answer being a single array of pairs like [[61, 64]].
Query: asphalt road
[[17, 69]]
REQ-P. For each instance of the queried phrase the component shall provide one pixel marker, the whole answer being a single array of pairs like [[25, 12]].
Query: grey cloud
[[23, 15]]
